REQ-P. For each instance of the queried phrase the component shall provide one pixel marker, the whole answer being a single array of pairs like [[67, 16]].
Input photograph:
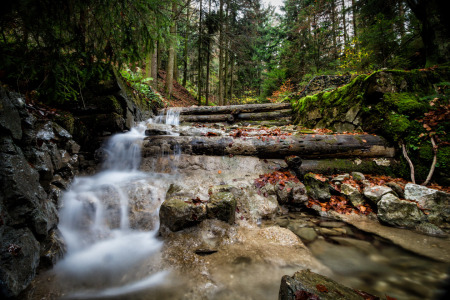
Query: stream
[[114, 250]]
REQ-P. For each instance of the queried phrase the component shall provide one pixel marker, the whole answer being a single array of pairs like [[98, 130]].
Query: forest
[[223, 52], [225, 149]]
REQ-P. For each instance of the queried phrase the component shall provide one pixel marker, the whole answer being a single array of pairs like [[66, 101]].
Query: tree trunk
[[221, 53], [355, 32], [305, 146], [208, 62], [435, 29], [199, 66], [344, 21], [185, 54], [171, 59], [333, 22], [252, 116], [155, 66], [231, 109]]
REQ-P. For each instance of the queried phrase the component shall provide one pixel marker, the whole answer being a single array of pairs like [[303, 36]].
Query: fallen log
[[229, 109], [266, 115], [270, 115], [207, 118], [304, 146]]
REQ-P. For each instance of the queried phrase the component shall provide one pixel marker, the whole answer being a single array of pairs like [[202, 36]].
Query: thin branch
[[411, 166], [433, 165]]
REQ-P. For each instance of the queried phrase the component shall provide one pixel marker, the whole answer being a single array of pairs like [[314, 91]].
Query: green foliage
[[56, 47], [356, 59], [140, 84]]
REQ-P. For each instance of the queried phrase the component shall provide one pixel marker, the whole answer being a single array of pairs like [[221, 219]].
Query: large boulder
[[317, 187], [19, 259], [183, 209], [353, 194], [309, 285], [401, 213], [375, 193], [436, 203]]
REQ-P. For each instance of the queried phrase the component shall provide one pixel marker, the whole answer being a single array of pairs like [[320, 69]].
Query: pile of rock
[[38, 161]]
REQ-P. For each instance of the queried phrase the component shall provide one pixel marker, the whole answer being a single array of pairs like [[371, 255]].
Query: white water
[[103, 249]]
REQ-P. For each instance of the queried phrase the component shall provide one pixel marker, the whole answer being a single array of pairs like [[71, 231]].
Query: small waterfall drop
[[110, 221]]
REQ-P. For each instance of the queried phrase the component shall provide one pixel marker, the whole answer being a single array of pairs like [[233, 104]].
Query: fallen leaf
[[321, 288], [220, 172]]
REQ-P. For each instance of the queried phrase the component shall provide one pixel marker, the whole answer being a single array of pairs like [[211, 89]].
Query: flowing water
[[103, 230], [110, 224]]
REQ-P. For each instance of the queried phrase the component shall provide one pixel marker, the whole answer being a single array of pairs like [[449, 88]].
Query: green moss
[[406, 103], [396, 126], [66, 120]]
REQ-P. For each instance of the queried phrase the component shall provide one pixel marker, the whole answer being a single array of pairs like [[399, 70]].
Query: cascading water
[[102, 228]]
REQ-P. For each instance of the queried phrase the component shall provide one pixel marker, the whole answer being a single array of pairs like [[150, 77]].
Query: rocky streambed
[[238, 225]]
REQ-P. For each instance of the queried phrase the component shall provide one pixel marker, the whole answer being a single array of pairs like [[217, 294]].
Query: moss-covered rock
[[387, 103]]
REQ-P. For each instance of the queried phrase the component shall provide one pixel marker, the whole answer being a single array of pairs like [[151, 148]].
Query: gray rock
[[19, 258], [331, 224], [308, 285], [352, 194], [9, 115], [221, 206], [307, 234], [396, 212], [436, 202], [430, 229], [375, 193], [357, 176], [316, 188], [364, 246], [397, 189], [179, 212], [341, 177]]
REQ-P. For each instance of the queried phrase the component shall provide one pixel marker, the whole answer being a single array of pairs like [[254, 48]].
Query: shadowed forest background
[[227, 51]]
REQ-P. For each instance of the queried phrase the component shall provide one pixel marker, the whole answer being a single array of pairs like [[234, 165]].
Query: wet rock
[[19, 259], [430, 229], [221, 206], [436, 202], [375, 193], [307, 234], [332, 231], [316, 188], [282, 221], [397, 189], [72, 147], [9, 115], [357, 176], [341, 177], [179, 212], [294, 163], [308, 285], [353, 194], [53, 249], [396, 212], [364, 246], [331, 224]]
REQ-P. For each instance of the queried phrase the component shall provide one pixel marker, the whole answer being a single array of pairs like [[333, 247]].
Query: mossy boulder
[[309, 285], [387, 103], [317, 187], [221, 206]]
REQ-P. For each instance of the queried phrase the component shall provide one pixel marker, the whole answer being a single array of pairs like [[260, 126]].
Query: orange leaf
[[364, 141], [321, 288], [220, 172]]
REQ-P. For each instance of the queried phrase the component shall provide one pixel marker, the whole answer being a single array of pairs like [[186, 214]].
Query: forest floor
[[180, 95]]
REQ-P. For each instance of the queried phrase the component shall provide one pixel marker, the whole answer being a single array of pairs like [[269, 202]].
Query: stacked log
[[234, 113]]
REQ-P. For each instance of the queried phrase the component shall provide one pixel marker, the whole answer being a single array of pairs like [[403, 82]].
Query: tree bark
[[232, 117], [154, 72], [306, 146], [231, 109], [344, 21], [355, 33], [435, 29], [221, 54], [171, 59], [199, 66]]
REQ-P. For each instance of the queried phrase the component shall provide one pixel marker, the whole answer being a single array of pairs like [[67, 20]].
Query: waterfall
[[101, 226]]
